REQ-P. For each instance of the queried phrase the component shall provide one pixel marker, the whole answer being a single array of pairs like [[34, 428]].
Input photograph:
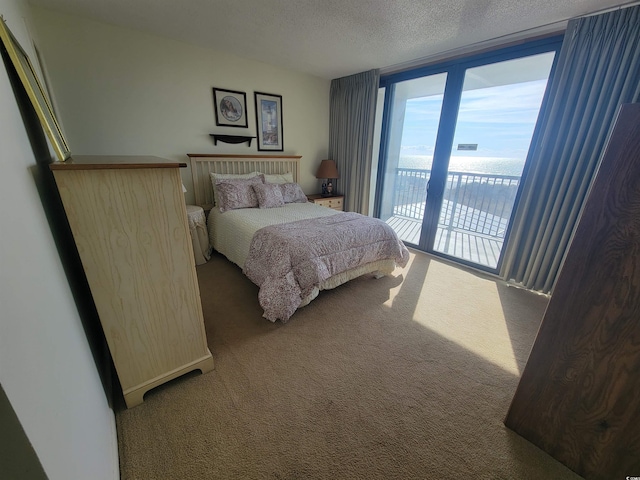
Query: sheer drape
[[352, 115], [598, 69]]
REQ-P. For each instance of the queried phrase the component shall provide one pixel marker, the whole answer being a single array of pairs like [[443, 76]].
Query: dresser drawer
[[337, 202]]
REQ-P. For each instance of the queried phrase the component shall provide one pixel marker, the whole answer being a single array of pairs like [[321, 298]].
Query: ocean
[[490, 165]]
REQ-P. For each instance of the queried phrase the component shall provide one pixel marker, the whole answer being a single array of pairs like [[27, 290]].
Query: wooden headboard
[[202, 164]]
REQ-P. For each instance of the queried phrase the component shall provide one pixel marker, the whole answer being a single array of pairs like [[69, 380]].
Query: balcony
[[473, 219]]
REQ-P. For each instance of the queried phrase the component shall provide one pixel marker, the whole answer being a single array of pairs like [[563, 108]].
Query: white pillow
[[216, 177], [278, 178]]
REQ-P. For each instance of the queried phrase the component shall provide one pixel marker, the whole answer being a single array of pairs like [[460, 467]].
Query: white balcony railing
[[474, 202]]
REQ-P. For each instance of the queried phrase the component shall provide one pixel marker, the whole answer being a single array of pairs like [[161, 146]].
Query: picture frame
[[35, 92], [269, 121], [230, 107]]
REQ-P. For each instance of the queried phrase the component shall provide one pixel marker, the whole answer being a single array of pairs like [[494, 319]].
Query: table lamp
[[328, 171]]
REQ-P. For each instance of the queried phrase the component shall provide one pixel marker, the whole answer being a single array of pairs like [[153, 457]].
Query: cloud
[[517, 103], [500, 119]]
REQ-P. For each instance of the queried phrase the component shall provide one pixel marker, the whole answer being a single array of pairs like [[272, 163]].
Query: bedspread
[[287, 261]]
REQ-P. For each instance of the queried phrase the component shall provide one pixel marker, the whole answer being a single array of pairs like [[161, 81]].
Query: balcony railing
[[473, 202]]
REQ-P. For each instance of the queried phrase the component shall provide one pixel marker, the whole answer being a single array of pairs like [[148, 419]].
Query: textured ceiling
[[333, 38]]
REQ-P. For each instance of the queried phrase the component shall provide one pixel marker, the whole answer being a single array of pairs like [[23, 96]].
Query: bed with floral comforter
[[292, 248], [289, 261]]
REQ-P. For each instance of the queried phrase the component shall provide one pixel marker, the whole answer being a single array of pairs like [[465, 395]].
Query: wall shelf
[[231, 139]]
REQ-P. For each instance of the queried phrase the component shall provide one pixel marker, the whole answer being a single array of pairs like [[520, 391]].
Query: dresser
[[336, 201], [129, 222]]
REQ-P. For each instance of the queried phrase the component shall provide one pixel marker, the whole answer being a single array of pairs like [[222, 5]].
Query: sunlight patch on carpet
[[460, 306]]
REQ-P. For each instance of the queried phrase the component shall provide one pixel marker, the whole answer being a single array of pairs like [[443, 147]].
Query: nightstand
[[199, 235], [336, 202]]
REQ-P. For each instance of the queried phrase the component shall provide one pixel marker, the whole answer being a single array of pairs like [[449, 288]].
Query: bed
[[292, 250]]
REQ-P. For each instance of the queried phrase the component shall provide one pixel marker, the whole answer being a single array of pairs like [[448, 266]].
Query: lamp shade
[[327, 169]]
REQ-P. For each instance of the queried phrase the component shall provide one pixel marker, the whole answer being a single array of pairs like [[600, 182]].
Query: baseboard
[[114, 450]]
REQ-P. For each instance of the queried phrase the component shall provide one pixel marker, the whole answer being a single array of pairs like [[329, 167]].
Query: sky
[[499, 119]]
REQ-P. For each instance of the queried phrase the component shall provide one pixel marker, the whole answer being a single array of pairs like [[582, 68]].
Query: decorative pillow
[[278, 178], [234, 194], [269, 195], [292, 193], [215, 177]]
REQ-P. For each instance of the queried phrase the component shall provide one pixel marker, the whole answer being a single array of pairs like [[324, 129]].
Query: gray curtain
[[351, 120], [598, 69]]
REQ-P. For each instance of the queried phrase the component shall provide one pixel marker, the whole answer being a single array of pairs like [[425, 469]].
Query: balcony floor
[[462, 244]]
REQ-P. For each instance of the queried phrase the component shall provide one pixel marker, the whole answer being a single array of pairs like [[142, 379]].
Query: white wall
[[121, 91], [46, 367]]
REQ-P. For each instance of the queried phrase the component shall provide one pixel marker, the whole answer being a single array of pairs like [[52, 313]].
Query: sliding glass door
[[413, 128], [454, 146], [498, 111]]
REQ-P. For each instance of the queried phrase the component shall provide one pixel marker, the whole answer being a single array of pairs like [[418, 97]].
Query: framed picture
[[269, 121], [231, 108], [35, 92]]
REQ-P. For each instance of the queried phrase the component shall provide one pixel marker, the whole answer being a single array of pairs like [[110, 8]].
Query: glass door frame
[[455, 70]]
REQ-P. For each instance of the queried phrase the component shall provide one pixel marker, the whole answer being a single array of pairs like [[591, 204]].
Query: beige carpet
[[396, 378]]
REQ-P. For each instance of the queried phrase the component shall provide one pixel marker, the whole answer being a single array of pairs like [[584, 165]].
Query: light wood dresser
[[129, 222]]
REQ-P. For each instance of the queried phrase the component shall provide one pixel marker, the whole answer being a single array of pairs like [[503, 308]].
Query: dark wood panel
[[579, 396]]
